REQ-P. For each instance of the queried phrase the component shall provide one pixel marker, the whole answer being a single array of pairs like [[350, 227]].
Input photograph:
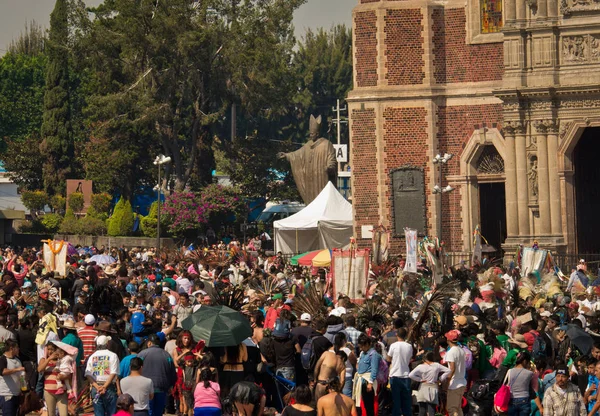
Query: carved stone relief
[[490, 162], [581, 49], [532, 174], [570, 6]]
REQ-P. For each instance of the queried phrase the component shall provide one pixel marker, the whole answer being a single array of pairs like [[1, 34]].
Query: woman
[[248, 398], [302, 407], [365, 380], [207, 400], [183, 352], [428, 374], [523, 387], [233, 366], [55, 395], [340, 341]]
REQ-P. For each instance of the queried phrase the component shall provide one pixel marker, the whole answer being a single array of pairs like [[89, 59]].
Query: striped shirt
[[88, 337], [50, 379]]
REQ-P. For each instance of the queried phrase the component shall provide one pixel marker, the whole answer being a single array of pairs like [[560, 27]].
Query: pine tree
[[57, 145]]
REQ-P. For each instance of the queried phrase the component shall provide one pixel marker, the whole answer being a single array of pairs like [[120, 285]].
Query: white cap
[[546, 314], [166, 289], [339, 311], [306, 317], [102, 340], [89, 319]]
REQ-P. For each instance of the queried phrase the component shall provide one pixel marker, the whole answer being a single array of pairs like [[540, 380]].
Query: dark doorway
[[587, 190], [492, 210]]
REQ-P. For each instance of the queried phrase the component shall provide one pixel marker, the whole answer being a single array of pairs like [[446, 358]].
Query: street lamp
[[441, 160], [159, 161]]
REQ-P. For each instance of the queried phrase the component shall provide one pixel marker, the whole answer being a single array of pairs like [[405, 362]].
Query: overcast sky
[[15, 13]]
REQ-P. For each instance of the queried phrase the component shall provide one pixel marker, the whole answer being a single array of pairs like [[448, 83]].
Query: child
[[188, 385], [64, 366]]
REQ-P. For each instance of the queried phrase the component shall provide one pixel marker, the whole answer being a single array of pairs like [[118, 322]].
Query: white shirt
[[456, 355], [401, 353], [183, 285], [349, 367], [41, 349], [429, 373], [101, 365]]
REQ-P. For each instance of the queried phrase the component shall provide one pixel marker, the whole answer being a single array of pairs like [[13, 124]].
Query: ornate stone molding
[[581, 49], [540, 126], [552, 126], [573, 6], [580, 102], [514, 127], [563, 129]]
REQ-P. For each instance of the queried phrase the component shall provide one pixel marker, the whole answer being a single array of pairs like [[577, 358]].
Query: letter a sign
[[341, 152]]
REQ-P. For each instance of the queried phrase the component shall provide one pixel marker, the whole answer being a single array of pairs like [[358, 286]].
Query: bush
[[58, 203], [149, 222], [76, 202], [101, 203], [70, 224], [92, 213], [51, 222], [92, 226], [31, 227], [121, 221], [34, 200]]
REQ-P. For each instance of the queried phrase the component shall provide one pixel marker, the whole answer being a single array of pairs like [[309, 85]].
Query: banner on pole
[[350, 270], [411, 250]]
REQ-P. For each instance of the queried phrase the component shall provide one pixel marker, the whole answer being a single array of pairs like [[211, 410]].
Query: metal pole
[[158, 215], [339, 132], [441, 204]]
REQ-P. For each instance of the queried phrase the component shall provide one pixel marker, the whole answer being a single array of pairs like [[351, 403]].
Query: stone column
[[510, 11], [512, 213], [522, 180], [543, 181], [542, 9], [521, 10], [554, 181]]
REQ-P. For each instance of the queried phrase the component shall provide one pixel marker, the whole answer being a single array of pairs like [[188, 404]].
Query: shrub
[[51, 223], [70, 224], [76, 202], [31, 227], [58, 203], [92, 213], [34, 200], [92, 226], [149, 222], [101, 203], [121, 221]]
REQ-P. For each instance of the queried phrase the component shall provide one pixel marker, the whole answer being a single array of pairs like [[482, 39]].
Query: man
[[11, 369], [101, 371], [399, 355], [578, 275], [184, 309], [455, 357], [114, 345], [88, 336], [5, 333], [334, 403], [304, 331], [353, 333], [329, 366], [139, 387], [72, 339], [159, 367], [564, 398], [134, 349]]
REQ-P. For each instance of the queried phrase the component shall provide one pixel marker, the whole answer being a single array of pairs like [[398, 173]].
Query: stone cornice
[[467, 89]]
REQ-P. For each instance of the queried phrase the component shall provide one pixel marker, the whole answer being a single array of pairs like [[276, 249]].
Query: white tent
[[325, 223]]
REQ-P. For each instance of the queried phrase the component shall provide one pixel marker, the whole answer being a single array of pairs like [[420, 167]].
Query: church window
[[491, 16]]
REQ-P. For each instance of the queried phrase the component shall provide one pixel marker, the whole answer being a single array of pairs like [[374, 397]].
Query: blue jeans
[[289, 373], [9, 406], [519, 407], [106, 405], [207, 411], [347, 390], [156, 407], [402, 395]]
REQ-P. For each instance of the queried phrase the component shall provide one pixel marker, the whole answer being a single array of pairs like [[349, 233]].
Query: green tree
[[149, 222], [70, 223], [76, 202], [58, 203], [23, 162], [34, 201], [58, 145], [31, 42], [121, 221], [165, 74]]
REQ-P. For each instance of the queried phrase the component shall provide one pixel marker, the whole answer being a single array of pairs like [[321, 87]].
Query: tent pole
[[297, 241]]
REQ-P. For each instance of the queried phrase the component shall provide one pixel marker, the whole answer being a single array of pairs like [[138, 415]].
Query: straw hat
[[69, 324]]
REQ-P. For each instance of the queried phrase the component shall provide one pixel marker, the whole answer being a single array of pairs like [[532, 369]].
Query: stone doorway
[[586, 180], [492, 208]]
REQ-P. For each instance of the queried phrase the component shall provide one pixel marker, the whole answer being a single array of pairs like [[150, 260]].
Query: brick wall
[[454, 60], [405, 143], [455, 126], [364, 172], [365, 49], [404, 46]]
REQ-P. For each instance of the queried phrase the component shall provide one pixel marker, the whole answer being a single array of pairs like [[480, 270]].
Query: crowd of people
[[112, 338]]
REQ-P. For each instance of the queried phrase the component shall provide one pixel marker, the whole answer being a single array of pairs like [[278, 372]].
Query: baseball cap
[[89, 319], [306, 317], [452, 335], [461, 320], [102, 340], [562, 369]]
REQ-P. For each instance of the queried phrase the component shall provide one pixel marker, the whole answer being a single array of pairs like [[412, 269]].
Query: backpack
[[383, 371], [468, 357], [282, 328], [480, 389], [539, 346], [306, 355]]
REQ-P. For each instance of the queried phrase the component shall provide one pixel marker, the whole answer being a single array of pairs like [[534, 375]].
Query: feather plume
[[310, 301]]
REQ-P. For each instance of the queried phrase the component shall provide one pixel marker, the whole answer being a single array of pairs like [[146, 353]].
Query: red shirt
[[88, 337], [272, 315]]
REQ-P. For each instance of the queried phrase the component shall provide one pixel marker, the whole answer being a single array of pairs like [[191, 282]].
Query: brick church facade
[[510, 88]]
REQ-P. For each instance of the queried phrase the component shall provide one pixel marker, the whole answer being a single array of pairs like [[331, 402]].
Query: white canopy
[[325, 223]]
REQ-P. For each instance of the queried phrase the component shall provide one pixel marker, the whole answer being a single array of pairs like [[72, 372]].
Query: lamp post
[[437, 189], [159, 161]]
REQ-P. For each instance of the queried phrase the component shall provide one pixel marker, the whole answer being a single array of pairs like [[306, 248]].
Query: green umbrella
[[218, 326]]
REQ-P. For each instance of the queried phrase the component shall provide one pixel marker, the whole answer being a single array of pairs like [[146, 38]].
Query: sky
[[15, 13]]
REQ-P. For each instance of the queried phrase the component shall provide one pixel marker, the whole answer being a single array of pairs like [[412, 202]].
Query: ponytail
[[205, 376]]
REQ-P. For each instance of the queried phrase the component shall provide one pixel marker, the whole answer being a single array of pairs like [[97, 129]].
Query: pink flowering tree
[[215, 205]]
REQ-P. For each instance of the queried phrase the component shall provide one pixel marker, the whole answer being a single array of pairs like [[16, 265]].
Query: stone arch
[[570, 133], [470, 177]]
